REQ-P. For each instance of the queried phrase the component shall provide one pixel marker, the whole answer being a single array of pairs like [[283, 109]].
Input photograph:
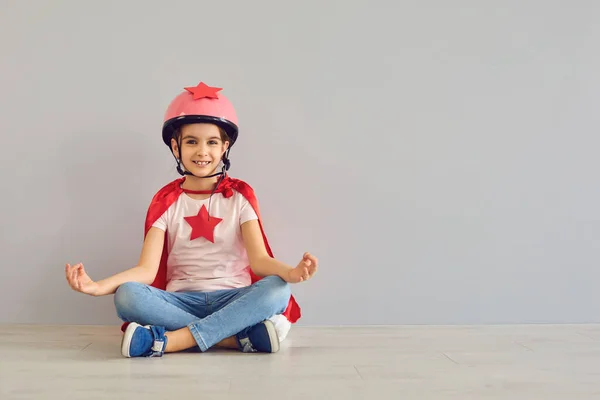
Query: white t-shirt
[[199, 264]]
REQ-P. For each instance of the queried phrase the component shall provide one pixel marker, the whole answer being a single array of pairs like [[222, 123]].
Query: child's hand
[[79, 280], [304, 270]]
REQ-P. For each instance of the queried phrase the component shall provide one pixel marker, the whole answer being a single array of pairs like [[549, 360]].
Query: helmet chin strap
[[182, 172]]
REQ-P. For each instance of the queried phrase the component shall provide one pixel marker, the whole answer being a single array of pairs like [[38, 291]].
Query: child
[[206, 275]]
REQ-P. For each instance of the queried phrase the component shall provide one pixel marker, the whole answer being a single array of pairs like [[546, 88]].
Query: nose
[[202, 149]]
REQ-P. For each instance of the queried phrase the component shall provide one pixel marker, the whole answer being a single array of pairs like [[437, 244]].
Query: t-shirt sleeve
[[161, 222], [247, 212]]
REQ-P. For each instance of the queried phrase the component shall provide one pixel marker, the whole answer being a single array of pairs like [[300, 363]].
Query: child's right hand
[[79, 280]]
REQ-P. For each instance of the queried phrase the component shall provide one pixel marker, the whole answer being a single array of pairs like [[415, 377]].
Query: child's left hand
[[304, 270]]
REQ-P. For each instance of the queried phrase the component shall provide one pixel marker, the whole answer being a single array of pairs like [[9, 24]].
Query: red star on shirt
[[202, 225], [203, 90]]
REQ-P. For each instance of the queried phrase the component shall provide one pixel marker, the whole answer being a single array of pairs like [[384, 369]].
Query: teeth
[[202, 162]]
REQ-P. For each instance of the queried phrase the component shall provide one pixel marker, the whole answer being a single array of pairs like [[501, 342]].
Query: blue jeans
[[210, 316]]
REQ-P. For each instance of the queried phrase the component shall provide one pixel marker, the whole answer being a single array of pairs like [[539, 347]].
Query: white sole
[[273, 337], [126, 341]]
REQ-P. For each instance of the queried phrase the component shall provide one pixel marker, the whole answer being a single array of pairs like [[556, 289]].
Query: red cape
[[166, 196]]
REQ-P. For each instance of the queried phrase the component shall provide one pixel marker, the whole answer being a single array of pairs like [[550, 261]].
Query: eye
[[213, 142], [191, 141]]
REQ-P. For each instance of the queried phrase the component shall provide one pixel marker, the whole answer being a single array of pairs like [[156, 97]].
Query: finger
[[305, 274], [77, 278], [68, 276], [311, 263], [72, 273], [70, 281], [314, 268], [74, 279], [82, 278]]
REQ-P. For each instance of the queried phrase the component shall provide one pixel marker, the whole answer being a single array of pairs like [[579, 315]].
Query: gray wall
[[439, 157]]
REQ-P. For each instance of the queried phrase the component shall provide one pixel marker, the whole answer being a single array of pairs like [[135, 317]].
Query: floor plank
[[408, 362]]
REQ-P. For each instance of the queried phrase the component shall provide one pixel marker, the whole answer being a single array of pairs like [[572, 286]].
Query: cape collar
[[225, 187]]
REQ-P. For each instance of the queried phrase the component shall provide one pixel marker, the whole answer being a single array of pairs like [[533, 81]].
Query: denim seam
[[198, 337], [208, 304]]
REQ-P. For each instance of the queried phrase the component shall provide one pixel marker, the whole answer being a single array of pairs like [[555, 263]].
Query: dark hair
[[224, 135]]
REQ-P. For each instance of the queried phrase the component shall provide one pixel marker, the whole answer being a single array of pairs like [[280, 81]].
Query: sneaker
[[282, 326], [143, 341], [261, 337]]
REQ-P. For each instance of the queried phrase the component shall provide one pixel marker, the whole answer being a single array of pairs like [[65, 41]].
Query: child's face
[[202, 147]]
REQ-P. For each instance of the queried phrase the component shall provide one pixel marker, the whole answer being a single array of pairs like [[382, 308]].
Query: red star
[[203, 90], [202, 225]]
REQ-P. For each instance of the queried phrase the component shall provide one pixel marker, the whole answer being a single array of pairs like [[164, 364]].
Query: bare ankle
[[181, 339], [228, 343]]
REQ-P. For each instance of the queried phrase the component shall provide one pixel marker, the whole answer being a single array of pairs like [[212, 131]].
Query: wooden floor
[[404, 362]]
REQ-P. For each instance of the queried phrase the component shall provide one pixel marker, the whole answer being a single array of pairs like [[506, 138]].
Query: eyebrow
[[194, 137]]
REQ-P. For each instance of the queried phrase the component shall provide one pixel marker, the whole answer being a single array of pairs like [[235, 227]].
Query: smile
[[201, 163]]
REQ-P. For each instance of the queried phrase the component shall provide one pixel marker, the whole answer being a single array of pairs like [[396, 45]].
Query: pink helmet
[[200, 104]]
